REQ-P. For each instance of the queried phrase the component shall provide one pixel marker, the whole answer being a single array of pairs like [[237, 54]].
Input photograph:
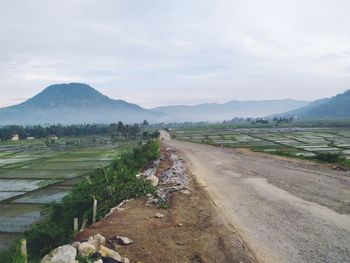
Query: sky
[[160, 52]]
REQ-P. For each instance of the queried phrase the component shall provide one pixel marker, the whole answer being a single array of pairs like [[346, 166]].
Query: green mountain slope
[[337, 107]]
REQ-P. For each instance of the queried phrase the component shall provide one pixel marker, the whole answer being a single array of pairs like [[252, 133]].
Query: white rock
[[106, 252], [126, 260], [124, 240], [159, 215], [63, 254], [86, 248], [153, 180], [98, 261], [97, 241]]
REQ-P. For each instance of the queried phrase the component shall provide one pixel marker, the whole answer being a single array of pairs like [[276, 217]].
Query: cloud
[[157, 52]]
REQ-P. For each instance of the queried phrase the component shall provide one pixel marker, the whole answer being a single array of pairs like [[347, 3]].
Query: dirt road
[[286, 210]]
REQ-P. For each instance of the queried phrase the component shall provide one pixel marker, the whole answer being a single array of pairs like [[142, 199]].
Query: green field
[[290, 141], [33, 174]]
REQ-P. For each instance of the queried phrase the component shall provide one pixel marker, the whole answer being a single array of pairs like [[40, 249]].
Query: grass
[[110, 186]]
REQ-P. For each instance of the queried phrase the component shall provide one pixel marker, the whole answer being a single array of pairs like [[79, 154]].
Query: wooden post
[[94, 211], [83, 226], [24, 250], [75, 224]]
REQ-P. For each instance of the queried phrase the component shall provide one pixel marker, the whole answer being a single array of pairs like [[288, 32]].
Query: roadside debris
[[171, 180], [124, 240], [159, 215], [93, 249]]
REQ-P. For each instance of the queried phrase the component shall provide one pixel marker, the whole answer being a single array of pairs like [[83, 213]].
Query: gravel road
[[286, 210]]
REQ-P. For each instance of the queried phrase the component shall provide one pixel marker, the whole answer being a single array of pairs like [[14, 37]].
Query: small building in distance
[[29, 138], [15, 137], [52, 137]]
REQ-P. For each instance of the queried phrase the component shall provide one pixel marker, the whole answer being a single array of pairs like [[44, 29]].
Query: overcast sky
[[157, 52]]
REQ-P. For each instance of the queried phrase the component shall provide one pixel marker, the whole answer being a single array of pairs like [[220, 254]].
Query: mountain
[[337, 107], [227, 111], [73, 103]]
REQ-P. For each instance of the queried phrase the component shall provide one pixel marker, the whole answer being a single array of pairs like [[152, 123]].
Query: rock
[[124, 240], [106, 252], [185, 191], [63, 254], [180, 224], [98, 261], [86, 249], [153, 180], [126, 260], [150, 172], [110, 260], [97, 241], [159, 215], [76, 245]]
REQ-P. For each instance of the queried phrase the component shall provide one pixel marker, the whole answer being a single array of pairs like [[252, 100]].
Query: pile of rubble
[[171, 180], [93, 250]]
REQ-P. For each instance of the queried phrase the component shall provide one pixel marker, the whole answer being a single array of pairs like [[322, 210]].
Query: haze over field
[[156, 53]]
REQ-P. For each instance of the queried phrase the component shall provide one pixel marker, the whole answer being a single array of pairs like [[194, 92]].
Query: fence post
[[24, 250], [75, 224], [94, 211], [83, 226]]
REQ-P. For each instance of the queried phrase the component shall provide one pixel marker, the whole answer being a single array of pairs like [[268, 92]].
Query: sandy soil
[[191, 230], [286, 210]]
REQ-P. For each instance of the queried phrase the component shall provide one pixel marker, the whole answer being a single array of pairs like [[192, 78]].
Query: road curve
[[285, 210]]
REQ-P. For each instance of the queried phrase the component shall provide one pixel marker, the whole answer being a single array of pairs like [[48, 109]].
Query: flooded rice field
[[32, 175], [297, 141]]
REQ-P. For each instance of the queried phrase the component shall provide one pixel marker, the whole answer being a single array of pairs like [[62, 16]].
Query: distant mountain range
[[73, 103], [226, 111], [77, 103], [337, 107]]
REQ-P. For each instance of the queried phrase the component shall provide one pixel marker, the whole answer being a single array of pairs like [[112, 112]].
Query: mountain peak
[[71, 94], [68, 87]]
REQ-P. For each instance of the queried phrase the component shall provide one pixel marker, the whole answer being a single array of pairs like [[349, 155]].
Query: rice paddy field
[[33, 174], [293, 141]]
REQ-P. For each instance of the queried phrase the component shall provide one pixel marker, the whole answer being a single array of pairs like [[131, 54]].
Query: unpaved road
[[285, 210]]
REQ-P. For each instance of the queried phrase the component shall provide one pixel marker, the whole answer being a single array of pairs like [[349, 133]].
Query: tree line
[[116, 130]]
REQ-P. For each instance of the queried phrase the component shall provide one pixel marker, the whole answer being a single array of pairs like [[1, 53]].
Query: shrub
[[329, 157]]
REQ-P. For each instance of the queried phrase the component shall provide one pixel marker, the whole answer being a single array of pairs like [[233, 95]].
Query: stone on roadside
[[97, 240], [159, 215], [106, 252], [153, 180], [185, 192], [62, 254], [124, 240], [126, 260], [86, 249]]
